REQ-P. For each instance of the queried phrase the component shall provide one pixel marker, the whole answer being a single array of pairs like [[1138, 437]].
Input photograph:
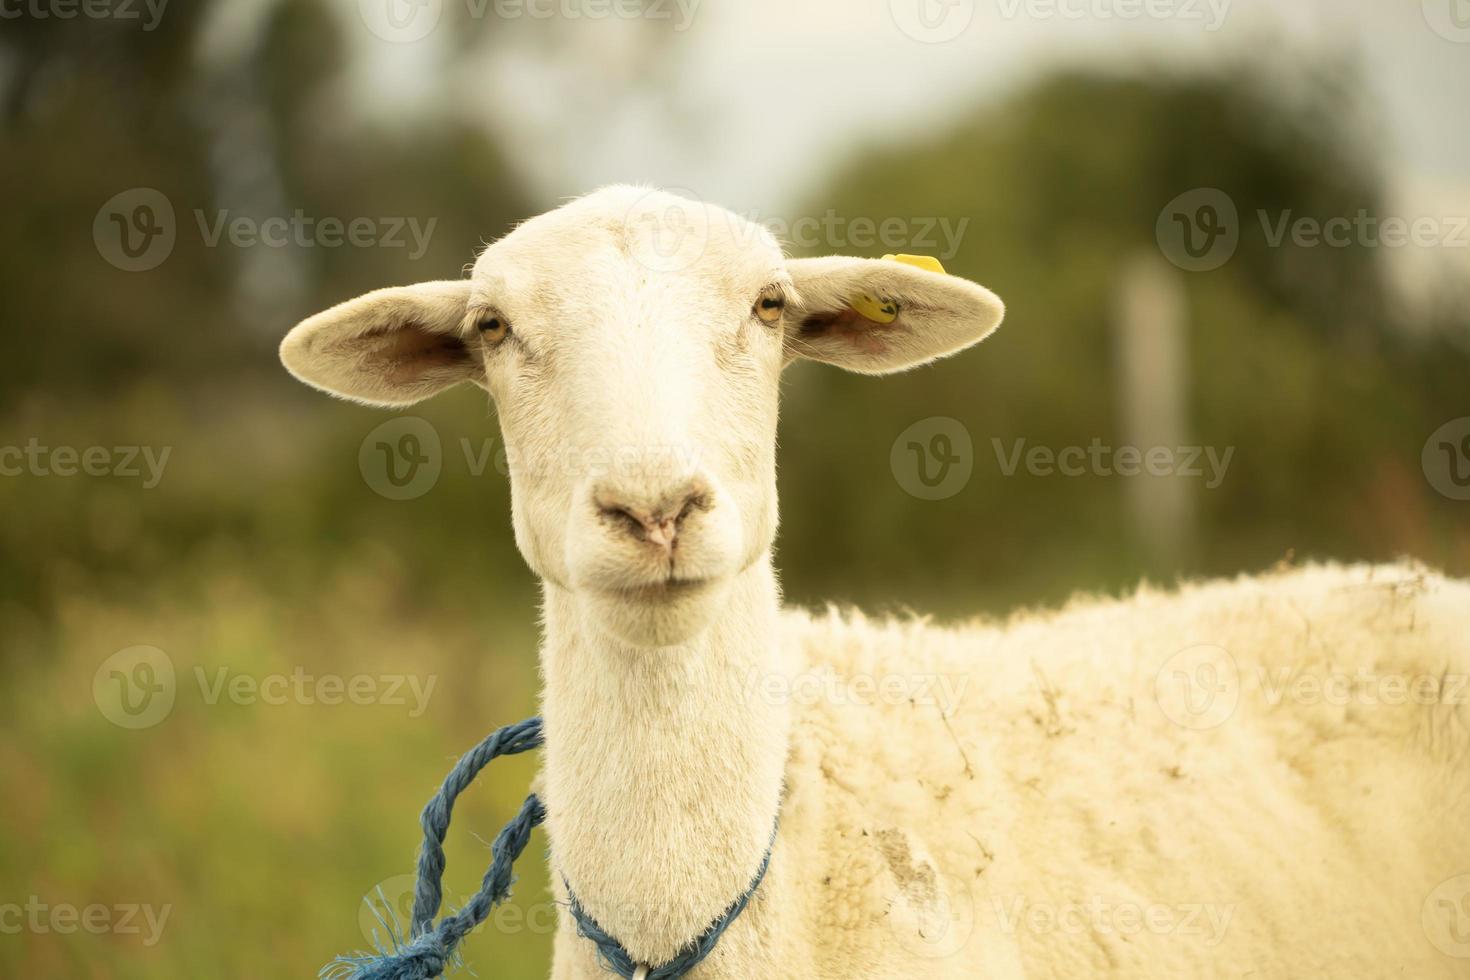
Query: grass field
[[320, 689]]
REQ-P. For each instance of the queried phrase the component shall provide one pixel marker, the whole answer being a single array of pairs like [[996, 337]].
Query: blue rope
[[431, 948], [510, 740], [616, 958]]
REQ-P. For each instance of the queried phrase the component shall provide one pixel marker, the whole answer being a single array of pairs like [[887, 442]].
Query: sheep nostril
[[622, 517], [659, 524], [695, 501]]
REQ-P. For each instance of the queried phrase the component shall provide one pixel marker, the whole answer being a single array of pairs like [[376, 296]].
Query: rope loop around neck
[[614, 957], [431, 948]]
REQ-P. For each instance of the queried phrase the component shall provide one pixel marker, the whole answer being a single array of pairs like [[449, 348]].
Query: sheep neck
[[663, 767]]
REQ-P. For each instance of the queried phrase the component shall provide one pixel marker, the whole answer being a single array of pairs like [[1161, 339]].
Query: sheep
[[1130, 788]]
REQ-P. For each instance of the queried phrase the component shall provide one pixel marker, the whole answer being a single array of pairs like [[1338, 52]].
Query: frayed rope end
[[421, 959], [394, 958]]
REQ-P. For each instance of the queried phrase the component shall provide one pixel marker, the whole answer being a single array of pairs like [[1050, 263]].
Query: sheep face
[[633, 343], [636, 389]]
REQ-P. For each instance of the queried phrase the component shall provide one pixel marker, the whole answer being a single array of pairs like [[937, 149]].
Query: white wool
[[1301, 835], [1042, 812]]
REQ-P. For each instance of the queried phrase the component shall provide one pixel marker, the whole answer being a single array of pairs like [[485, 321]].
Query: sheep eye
[[770, 306], [493, 327]]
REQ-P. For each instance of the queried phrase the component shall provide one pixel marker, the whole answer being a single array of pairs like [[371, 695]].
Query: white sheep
[[1144, 788]]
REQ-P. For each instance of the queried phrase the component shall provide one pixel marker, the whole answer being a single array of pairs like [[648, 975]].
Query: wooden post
[[1152, 370]]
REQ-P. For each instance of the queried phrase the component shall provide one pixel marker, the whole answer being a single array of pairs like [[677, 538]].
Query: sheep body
[[1058, 820]]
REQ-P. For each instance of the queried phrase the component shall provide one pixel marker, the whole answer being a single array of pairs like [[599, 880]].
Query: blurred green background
[[257, 824]]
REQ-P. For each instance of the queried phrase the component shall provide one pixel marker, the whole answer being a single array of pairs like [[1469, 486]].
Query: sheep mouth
[[665, 590]]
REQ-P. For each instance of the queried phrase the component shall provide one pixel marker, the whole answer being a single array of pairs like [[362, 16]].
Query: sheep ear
[[392, 346], [878, 316]]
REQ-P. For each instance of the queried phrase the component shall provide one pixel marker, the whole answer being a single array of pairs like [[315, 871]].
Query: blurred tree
[[1298, 356], [245, 120], [92, 107]]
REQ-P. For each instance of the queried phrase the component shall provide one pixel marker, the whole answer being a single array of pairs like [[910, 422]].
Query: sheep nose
[[656, 517]]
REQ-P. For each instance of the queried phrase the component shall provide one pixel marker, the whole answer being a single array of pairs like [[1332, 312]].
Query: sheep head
[[633, 343]]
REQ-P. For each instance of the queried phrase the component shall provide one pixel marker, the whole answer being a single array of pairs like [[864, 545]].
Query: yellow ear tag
[[886, 310], [927, 262], [879, 311]]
